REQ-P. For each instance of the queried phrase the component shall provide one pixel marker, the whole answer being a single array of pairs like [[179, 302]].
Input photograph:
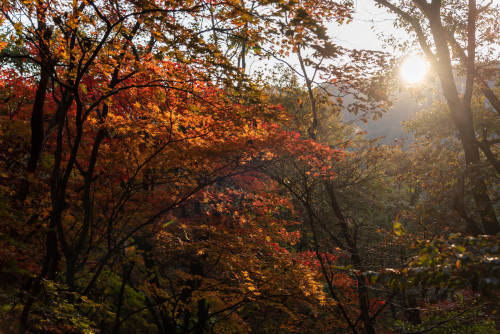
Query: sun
[[413, 69]]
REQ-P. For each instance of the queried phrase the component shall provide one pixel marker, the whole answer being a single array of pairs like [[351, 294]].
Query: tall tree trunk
[[126, 276], [480, 190], [460, 108], [363, 299], [37, 125]]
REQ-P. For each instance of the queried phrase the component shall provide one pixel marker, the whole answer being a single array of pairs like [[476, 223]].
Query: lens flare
[[414, 69]]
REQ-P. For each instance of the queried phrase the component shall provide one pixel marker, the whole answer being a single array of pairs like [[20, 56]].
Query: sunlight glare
[[414, 69]]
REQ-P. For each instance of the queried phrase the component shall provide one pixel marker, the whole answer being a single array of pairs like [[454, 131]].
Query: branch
[[471, 52], [416, 27]]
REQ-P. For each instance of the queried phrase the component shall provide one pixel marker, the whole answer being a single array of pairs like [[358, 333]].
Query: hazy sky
[[359, 33]]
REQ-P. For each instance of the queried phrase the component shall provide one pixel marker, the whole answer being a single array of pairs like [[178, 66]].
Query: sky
[[362, 33], [359, 34]]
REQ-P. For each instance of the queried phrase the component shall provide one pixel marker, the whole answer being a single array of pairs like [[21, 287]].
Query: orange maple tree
[[143, 166]]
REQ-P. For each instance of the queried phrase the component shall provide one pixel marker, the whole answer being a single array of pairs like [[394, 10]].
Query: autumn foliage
[[139, 195], [148, 184]]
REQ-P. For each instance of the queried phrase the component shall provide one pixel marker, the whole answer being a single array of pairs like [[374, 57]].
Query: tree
[[133, 110], [444, 36], [337, 214]]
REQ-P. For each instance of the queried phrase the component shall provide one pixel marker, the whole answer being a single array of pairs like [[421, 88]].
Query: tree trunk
[[37, 126], [461, 113]]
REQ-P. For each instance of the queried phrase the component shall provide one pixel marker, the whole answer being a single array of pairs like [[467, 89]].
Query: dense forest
[[151, 182]]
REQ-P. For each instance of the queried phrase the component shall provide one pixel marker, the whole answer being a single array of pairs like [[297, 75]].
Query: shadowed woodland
[[187, 167]]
